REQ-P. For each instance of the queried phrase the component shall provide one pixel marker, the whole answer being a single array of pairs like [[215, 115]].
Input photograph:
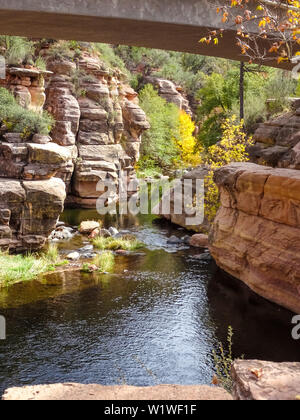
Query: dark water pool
[[156, 320]]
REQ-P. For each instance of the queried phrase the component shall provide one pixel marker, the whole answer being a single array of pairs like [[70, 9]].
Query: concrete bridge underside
[[166, 24]]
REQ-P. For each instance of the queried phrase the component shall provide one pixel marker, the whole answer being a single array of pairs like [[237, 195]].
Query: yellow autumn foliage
[[232, 148], [186, 142]]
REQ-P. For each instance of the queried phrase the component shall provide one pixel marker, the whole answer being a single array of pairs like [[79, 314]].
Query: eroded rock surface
[[171, 93], [31, 196], [277, 142], [258, 380], [29, 211], [256, 234], [96, 137], [27, 85], [98, 117]]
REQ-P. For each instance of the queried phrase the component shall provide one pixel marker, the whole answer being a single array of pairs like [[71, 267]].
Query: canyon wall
[[97, 134], [98, 119], [31, 196], [256, 236]]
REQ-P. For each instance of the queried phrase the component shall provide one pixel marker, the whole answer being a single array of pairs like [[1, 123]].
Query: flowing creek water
[[157, 319]]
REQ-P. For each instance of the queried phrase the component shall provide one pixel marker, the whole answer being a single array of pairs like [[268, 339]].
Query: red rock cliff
[[256, 234]]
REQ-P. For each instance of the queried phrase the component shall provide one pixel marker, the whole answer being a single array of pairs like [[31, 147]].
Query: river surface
[[156, 320]]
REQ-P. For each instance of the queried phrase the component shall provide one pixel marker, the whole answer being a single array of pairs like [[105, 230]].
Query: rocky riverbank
[[252, 380]]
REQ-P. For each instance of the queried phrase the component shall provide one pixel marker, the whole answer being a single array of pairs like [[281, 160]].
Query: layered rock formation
[[96, 137], [27, 85], [31, 196], [277, 142], [256, 234], [98, 120]]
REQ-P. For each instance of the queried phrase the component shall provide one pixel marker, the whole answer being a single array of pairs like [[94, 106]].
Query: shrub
[[135, 56], [232, 148], [18, 50], [20, 120], [223, 361], [108, 55], [40, 63], [61, 50]]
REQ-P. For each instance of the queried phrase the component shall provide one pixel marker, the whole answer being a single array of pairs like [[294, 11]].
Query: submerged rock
[[173, 240], [86, 248], [199, 241]]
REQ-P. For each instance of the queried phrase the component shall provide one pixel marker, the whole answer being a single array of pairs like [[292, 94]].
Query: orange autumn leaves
[[277, 23]]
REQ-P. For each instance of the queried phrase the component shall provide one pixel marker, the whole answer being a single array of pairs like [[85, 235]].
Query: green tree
[[217, 98], [158, 147]]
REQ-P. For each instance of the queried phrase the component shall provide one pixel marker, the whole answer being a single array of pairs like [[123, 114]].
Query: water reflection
[[158, 322]]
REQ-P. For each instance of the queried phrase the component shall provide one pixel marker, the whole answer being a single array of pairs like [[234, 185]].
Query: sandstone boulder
[[258, 380], [180, 211], [50, 153], [88, 227], [30, 209]]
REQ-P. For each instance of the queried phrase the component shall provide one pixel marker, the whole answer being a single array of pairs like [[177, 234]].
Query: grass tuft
[[114, 244], [105, 262], [19, 268]]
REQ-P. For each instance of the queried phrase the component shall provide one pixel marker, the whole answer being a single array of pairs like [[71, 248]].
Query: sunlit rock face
[[171, 93], [256, 234], [27, 85]]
